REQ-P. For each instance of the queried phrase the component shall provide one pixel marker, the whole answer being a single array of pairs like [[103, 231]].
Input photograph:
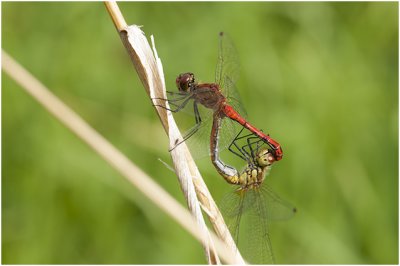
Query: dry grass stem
[[115, 13]]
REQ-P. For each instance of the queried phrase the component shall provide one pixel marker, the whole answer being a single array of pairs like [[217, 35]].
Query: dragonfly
[[219, 97], [252, 201]]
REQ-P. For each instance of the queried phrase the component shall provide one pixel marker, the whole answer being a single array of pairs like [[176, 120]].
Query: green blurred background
[[319, 77]]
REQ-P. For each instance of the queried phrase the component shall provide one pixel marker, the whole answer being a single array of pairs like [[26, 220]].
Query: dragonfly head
[[185, 82], [265, 157]]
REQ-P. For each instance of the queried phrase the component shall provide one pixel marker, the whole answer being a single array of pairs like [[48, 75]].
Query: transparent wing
[[232, 207], [228, 66], [234, 203], [233, 98], [265, 206], [228, 131], [198, 136], [257, 246], [243, 211], [230, 128], [248, 213], [227, 73], [277, 208]]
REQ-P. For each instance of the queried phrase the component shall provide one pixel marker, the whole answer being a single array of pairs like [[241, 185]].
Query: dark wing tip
[[294, 210], [221, 33]]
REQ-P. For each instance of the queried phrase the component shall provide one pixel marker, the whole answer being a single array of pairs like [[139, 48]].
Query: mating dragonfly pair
[[259, 151]]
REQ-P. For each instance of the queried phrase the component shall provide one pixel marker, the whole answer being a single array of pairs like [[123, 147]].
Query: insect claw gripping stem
[[188, 135], [171, 102]]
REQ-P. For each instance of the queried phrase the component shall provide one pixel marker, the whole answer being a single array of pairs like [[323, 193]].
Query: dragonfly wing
[[227, 133], [243, 210], [234, 99], [228, 66], [258, 246], [266, 206], [277, 208], [227, 72], [232, 207], [196, 135]]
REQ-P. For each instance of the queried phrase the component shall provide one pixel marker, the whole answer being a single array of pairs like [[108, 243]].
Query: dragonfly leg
[[241, 152], [181, 96], [196, 113], [194, 129], [250, 144], [178, 106], [187, 136], [177, 93]]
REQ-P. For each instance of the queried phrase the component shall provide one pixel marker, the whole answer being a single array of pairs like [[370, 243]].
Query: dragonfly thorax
[[251, 177], [209, 95]]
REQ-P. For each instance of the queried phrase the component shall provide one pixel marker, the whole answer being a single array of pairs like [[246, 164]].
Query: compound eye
[[271, 158], [184, 81]]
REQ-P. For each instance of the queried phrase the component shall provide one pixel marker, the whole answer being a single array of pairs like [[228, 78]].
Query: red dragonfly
[[220, 97]]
